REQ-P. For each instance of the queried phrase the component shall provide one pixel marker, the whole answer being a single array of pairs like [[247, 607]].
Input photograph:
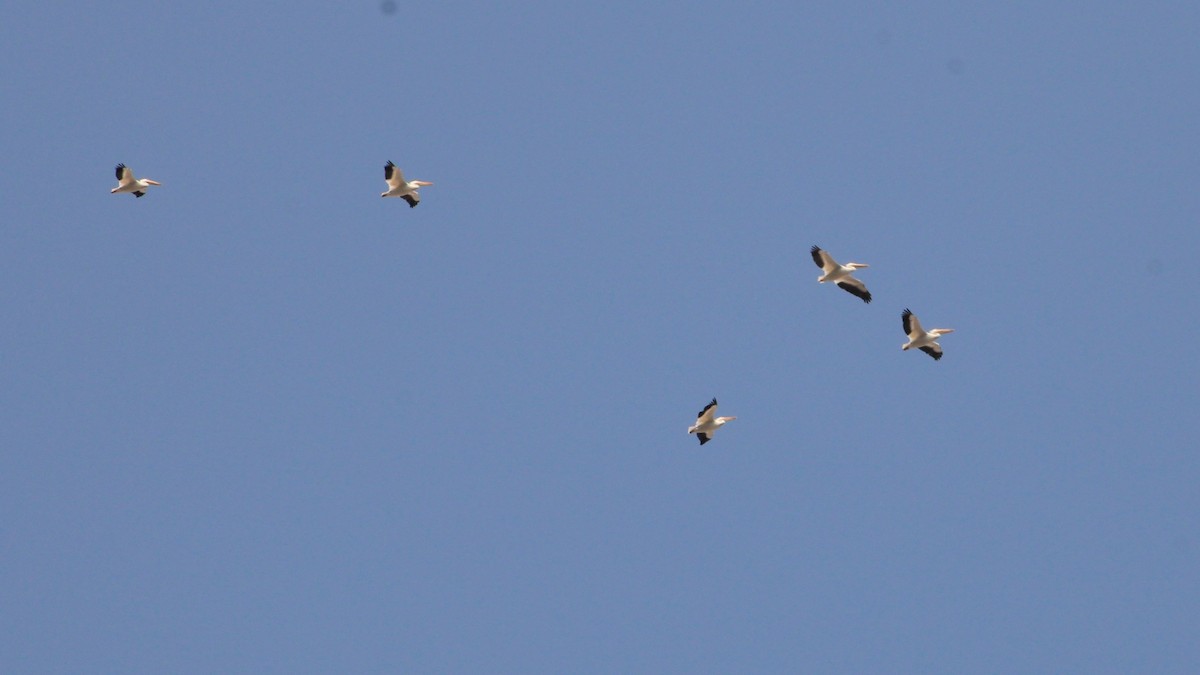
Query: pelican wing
[[912, 326], [393, 175], [703, 438], [856, 288], [124, 175], [412, 198], [934, 350], [706, 415], [823, 259]]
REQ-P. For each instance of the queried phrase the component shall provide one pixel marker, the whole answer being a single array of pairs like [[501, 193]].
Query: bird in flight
[[398, 187], [919, 338], [706, 425], [127, 183], [840, 274]]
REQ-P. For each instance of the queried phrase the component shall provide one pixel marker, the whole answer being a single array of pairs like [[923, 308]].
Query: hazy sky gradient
[[262, 420]]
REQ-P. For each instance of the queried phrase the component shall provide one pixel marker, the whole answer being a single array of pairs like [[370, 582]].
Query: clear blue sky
[[264, 421]]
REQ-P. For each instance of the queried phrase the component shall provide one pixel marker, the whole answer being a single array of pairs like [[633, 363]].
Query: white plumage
[[127, 183], [398, 187], [919, 338], [706, 425], [840, 274]]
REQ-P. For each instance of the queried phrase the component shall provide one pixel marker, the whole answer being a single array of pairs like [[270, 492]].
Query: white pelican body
[[398, 187], [840, 274], [127, 183], [706, 424], [919, 338]]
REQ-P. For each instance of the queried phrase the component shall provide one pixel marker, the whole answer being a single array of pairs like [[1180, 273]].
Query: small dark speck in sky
[[955, 66], [388, 7]]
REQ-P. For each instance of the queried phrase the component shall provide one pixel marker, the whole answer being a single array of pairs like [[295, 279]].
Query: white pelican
[[706, 425], [127, 183], [920, 338], [398, 187], [840, 274]]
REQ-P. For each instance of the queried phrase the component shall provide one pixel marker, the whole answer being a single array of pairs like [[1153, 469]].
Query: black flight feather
[[853, 290]]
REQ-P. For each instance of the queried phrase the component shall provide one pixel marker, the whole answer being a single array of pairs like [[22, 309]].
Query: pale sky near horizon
[[262, 420]]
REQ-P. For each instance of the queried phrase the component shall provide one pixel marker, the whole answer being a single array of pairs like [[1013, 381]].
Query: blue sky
[[264, 421]]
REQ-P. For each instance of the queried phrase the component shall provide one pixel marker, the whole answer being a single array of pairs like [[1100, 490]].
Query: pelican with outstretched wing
[[840, 274], [127, 183], [398, 187], [919, 338], [706, 424]]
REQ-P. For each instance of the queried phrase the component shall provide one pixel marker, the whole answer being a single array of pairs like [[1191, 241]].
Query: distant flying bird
[[920, 338], [398, 187], [706, 425], [127, 183], [840, 274]]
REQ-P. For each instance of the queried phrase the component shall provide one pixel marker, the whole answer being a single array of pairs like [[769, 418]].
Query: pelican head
[[723, 420], [147, 181], [855, 266], [421, 183], [940, 331]]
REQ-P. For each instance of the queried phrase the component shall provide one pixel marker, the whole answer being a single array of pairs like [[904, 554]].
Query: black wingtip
[[865, 295], [139, 194], [120, 167], [703, 438]]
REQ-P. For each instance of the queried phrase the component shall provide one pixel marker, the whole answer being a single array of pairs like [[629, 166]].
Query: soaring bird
[[127, 183], [398, 187], [920, 338], [706, 425], [840, 274]]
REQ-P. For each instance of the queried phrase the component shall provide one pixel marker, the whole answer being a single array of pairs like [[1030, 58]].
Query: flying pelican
[[706, 425], [398, 187], [127, 183], [840, 274], [920, 338]]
